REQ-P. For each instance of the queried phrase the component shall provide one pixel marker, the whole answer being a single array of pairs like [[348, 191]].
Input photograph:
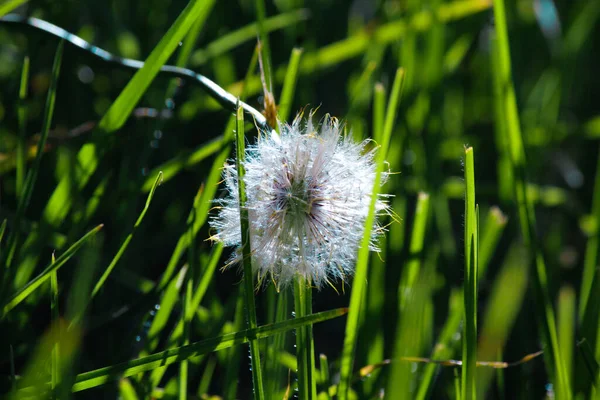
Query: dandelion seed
[[308, 195]]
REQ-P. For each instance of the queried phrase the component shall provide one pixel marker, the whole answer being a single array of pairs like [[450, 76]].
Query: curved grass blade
[[45, 275], [361, 274], [101, 376], [125, 244]]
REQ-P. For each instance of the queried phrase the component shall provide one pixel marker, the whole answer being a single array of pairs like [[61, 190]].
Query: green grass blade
[[100, 376], [238, 37], [443, 349], [31, 179], [361, 274], [55, 315], [469, 358], [566, 318], [9, 5], [411, 299], [289, 85], [495, 222], [247, 257], [45, 275], [591, 248], [507, 97], [21, 155], [130, 96], [125, 244], [505, 302], [265, 48], [307, 378], [186, 160]]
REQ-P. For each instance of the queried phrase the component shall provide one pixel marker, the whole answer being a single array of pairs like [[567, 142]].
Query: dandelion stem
[[246, 256], [305, 353]]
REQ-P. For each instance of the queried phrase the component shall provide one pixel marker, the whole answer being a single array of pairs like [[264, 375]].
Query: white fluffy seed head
[[308, 195]]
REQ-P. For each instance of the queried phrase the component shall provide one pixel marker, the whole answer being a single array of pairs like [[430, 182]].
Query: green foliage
[[110, 285]]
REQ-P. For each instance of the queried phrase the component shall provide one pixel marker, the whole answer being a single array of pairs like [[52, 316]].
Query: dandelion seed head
[[308, 194]]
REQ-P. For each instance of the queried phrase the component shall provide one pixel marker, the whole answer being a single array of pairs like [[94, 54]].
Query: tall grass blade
[[361, 274], [103, 375], [247, 258], [507, 97]]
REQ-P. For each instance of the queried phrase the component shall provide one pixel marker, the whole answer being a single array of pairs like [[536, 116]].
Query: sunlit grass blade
[[101, 376], [21, 155], [9, 5], [469, 358], [507, 97], [127, 240], [566, 318], [289, 85], [361, 273], [247, 257], [60, 202], [45, 275]]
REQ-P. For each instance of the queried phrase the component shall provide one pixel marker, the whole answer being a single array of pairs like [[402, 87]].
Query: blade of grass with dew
[[127, 240], [289, 85], [526, 210], [45, 275], [469, 353], [31, 179], [363, 254], [231, 376], [504, 304], [175, 336], [101, 376], [166, 306], [247, 257], [238, 37], [22, 116], [60, 202]]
